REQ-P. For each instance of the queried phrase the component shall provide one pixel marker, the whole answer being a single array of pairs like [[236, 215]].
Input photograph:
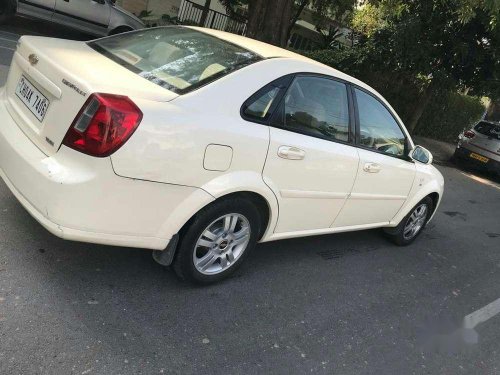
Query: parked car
[[96, 17], [198, 144], [480, 146]]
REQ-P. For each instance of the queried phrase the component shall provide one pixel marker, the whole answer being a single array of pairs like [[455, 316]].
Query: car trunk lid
[[51, 79]]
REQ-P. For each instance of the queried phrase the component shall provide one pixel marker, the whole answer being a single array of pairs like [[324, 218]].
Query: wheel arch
[[435, 200], [257, 199], [413, 201], [166, 256]]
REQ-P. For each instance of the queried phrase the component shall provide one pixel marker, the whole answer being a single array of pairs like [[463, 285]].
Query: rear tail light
[[469, 134], [103, 125]]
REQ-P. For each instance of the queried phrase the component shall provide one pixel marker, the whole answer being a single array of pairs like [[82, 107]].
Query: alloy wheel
[[221, 244], [415, 222]]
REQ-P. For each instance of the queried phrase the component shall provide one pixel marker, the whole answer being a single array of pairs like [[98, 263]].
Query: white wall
[[171, 7], [159, 7], [215, 5]]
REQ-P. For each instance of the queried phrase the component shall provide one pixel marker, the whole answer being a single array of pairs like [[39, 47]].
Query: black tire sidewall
[[183, 262]]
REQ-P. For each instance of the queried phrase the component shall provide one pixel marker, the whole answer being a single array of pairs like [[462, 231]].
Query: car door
[[385, 173], [311, 164], [88, 15], [37, 8]]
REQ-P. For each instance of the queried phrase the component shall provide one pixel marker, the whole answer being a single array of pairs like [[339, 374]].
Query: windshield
[[488, 129], [179, 59]]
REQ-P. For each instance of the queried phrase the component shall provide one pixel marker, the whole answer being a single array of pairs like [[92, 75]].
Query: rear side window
[[488, 129], [318, 107], [261, 105], [378, 128], [179, 59]]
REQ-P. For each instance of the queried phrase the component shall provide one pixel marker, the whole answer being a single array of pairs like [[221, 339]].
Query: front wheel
[[217, 241], [412, 224]]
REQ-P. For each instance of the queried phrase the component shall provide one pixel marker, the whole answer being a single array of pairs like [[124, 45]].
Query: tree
[[204, 15], [329, 37], [299, 6], [269, 20], [441, 44], [273, 21]]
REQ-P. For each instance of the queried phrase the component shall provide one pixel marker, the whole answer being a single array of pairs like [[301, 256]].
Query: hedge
[[446, 115]]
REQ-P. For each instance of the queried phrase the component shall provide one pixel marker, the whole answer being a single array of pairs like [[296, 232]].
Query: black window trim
[[357, 143], [276, 119], [276, 103]]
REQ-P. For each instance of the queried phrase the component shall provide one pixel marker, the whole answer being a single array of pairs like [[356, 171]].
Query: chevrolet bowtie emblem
[[33, 59]]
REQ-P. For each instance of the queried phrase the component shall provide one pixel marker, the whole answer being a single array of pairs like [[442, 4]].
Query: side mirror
[[421, 155]]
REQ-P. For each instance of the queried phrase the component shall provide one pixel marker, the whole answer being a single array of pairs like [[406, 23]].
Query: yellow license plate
[[479, 157]]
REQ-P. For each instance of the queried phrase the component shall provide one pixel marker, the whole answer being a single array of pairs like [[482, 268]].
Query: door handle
[[291, 153], [372, 167]]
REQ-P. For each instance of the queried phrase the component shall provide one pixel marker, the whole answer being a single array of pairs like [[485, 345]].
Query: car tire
[[215, 244], [412, 224], [7, 10]]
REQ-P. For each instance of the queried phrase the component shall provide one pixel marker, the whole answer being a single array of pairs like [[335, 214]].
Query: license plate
[[36, 102], [479, 157]]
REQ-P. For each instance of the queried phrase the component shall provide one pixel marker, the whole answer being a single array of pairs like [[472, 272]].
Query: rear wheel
[[7, 10], [413, 223], [217, 241]]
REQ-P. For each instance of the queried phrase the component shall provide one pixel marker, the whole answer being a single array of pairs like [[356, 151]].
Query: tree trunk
[[420, 108], [295, 18], [204, 15], [268, 21]]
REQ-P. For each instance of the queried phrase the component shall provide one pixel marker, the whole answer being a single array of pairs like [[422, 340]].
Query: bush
[[448, 114]]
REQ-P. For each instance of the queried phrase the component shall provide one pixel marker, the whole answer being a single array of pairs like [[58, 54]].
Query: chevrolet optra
[[198, 144]]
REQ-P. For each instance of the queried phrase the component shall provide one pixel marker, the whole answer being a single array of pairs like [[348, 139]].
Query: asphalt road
[[340, 304]]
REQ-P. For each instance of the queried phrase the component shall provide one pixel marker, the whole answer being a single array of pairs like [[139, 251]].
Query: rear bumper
[[463, 153], [80, 198]]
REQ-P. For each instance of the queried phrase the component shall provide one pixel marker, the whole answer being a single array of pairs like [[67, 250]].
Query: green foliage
[[174, 20], [467, 9], [448, 114], [368, 20], [441, 40], [144, 13], [324, 10]]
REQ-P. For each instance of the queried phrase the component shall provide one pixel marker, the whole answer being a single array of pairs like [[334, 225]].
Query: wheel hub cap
[[221, 244], [415, 222]]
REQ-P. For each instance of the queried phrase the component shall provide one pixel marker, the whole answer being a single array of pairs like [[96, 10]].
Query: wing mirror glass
[[421, 154]]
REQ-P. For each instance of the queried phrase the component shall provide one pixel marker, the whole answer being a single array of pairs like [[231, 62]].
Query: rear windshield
[[488, 129], [179, 59]]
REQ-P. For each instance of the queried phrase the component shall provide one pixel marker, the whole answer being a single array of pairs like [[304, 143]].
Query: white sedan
[[198, 144]]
